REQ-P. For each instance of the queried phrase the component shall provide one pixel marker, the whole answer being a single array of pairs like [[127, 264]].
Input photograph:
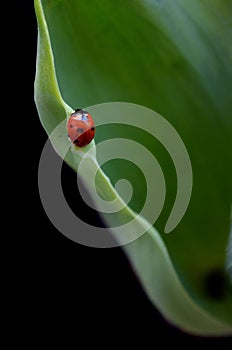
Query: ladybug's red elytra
[[81, 128]]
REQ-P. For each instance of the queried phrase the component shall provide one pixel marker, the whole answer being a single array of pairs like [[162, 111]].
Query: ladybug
[[81, 128]]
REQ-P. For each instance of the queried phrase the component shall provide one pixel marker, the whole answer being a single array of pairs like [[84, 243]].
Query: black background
[[72, 292]]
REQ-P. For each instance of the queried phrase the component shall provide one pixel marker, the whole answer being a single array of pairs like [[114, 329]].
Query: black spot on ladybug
[[93, 128], [80, 130], [76, 141], [71, 126]]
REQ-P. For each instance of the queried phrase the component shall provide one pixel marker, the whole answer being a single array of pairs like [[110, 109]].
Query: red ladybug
[[81, 128]]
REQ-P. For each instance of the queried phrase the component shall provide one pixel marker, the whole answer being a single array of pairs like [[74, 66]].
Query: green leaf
[[175, 58]]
